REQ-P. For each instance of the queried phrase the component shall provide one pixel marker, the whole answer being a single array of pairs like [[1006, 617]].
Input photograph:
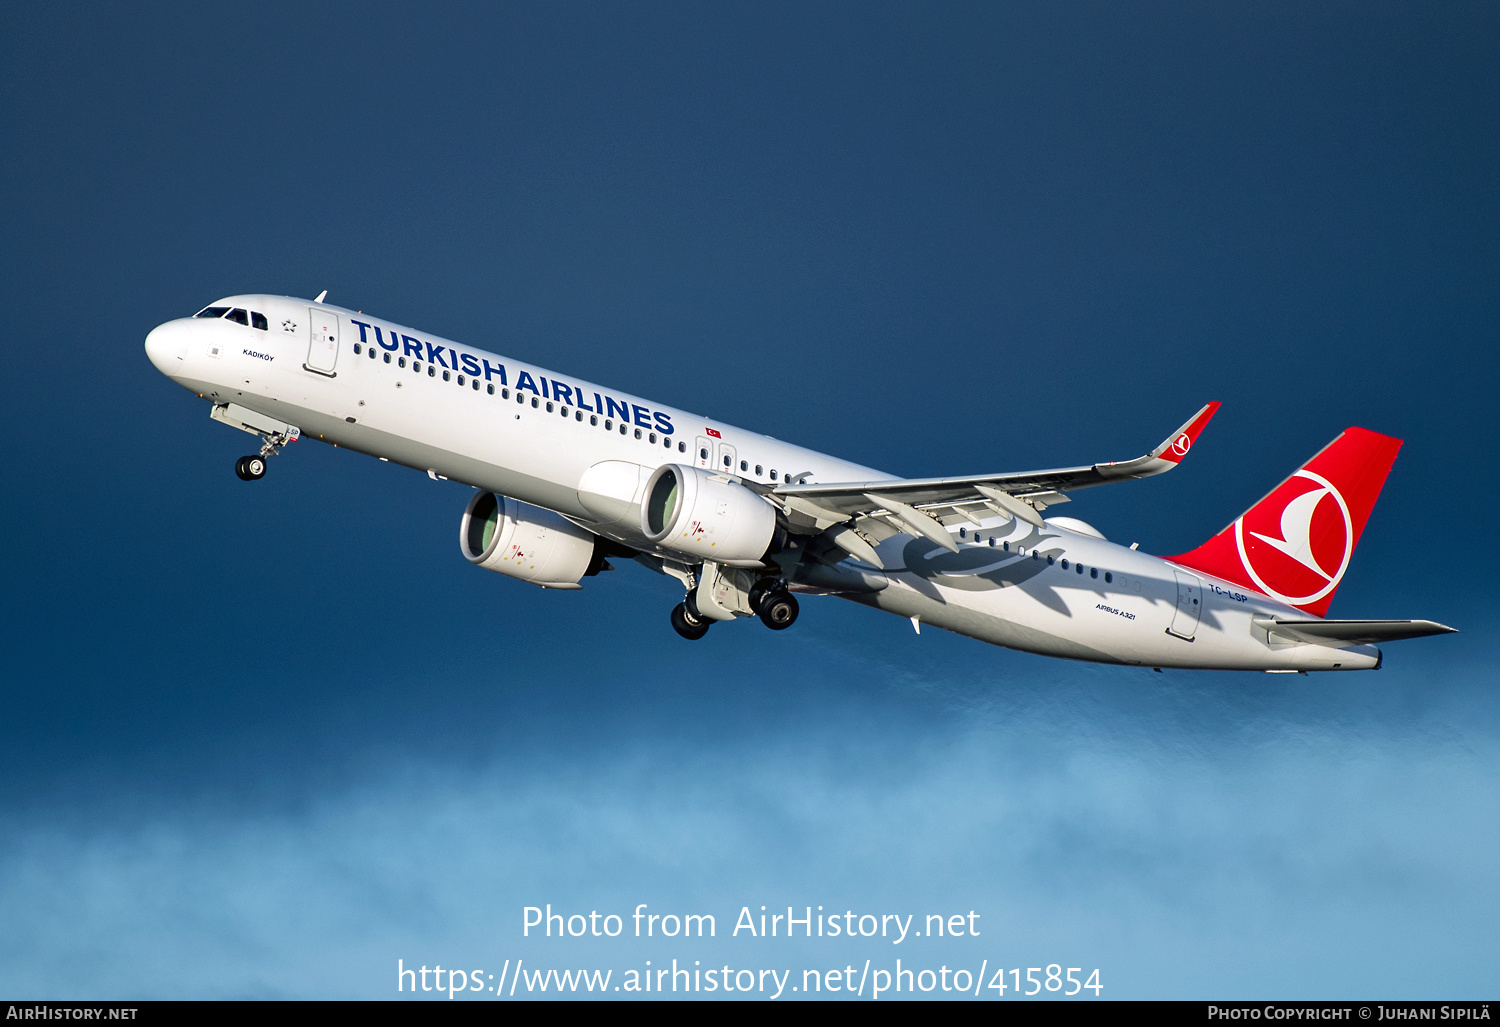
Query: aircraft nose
[[167, 345]]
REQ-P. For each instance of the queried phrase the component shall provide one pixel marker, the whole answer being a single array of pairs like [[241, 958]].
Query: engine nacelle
[[523, 541], [701, 514]]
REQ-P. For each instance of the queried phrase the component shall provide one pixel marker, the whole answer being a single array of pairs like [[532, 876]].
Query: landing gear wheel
[[778, 610], [762, 588], [250, 468], [688, 626]]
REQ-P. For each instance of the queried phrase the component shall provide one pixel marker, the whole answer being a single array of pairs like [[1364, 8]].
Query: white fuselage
[[586, 452]]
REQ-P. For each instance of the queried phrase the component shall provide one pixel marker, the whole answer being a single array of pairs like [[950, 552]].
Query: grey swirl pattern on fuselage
[[980, 568]]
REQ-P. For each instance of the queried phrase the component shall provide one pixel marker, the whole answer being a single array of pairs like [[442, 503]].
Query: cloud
[[1188, 836]]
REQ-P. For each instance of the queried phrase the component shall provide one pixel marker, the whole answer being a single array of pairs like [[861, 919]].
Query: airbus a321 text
[[570, 474]]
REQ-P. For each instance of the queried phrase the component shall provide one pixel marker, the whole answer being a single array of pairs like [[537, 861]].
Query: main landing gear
[[776, 607], [689, 624]]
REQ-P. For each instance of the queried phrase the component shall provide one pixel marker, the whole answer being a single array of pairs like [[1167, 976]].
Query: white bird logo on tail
[[1296, 541], [1296, 531]]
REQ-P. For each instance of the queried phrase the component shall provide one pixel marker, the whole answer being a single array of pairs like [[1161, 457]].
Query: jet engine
[[705, 515], [523, 541]]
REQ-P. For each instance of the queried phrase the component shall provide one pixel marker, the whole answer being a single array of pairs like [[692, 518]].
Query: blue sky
[[265, 740]]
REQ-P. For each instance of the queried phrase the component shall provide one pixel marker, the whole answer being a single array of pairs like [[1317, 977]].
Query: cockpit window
[[258, 321], [238, 316], [212, 312]]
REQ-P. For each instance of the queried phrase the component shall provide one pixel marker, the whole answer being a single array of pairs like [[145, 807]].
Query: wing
[[853, 513], [1341, 633]]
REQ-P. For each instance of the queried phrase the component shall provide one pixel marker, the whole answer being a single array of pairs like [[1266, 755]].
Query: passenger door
[[322, 341]]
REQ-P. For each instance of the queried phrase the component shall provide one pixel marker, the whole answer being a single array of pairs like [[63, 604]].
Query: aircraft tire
[[778, 610], [254, 467], [763, 588], [687, 626], [239, 469]]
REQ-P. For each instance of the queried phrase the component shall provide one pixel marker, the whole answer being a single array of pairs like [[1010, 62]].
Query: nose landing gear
[[273, 435], [250, 468], [253, 468]]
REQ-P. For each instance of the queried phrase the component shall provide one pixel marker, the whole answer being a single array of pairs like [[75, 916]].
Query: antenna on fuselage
[[321, 296]]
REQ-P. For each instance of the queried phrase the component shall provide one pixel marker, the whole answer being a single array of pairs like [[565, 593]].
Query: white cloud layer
[[1301, 853]]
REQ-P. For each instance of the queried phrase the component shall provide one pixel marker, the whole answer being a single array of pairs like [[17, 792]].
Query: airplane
[[568, 475]]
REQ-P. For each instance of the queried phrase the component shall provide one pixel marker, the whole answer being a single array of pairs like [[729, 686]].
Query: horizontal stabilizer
[[1341, 633]]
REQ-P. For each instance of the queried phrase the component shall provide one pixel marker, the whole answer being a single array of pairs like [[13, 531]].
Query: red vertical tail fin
[[1295, 544]]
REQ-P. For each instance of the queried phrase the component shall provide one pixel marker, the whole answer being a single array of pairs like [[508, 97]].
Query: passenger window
[[474, 384], [432, 371], [212, 312], [623, 426], [372, 352], [702, 454], [239, 317], [682, 447], [651, 438], [744, 465], [758, 471], [963, 532], [1093, 572], [460, 379], [357, 350], [549, 408], [1005, 546], [1049, 560], [594, 420], [520, 397], [505, 394], [1109, 579], [490, 389], [259, 321], [401, 362], [1065, 564], [578, 416], [637, 433], [535, 402], [565, 411], [1080, 568], [416, 365], [609, 425], [773, 474], [447, 376], [726, 460], [387, 358]]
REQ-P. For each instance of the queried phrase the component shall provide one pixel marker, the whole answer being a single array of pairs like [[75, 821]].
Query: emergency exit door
[[725, 463]]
